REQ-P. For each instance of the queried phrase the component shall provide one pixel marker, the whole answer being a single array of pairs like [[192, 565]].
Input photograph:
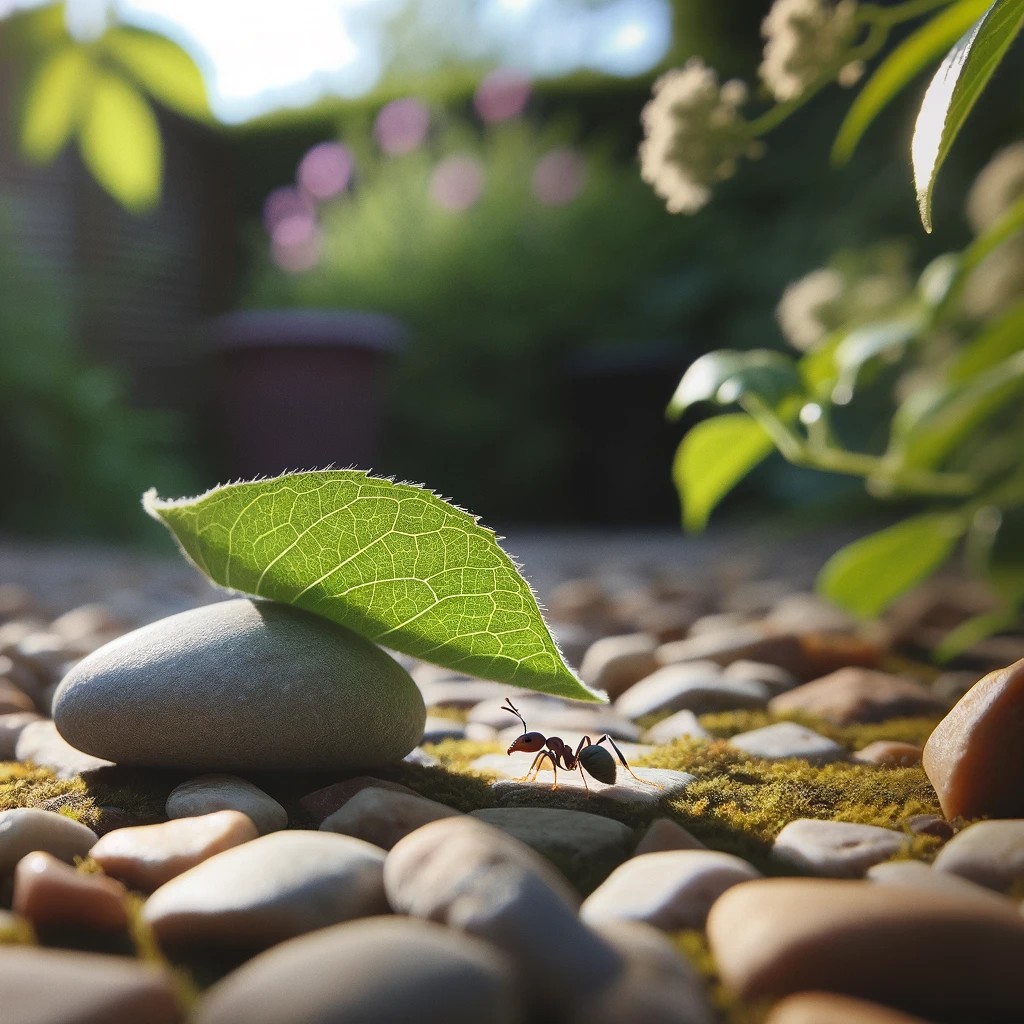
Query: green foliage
[[959, 81], [390, 561]]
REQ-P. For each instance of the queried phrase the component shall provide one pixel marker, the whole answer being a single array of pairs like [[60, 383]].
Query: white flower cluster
[[804, 310], [693, 135], [804, 40]]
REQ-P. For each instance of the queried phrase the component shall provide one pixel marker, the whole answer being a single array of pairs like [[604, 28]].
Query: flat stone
[[681, 725], [942, 955], [563, 836], [665, 834], [51, 986], [776, 678], [268, 890], [808, 613], [11, 727], [147, 856], [419, 756], [838, 849], [241, 686], [381, 969], [828, 1008], [672, 890], [787, 739], [382, 816], [975, 757], [654, 983], [26, 829], [698, 687], [890, 753], [480, 880], [12, 699], [323, 802], [437, 730], [49, 892], [40, 743], [614, 663], [917, 875], [739, 643], [990, 853], [854, 694], [218, 792]]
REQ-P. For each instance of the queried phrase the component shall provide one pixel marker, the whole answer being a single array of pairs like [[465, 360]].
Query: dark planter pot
[[302, 389]]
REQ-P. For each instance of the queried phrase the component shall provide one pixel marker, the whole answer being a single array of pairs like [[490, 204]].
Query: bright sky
[[260, 55]]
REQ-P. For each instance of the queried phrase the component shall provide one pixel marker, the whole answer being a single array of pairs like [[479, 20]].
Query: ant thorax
[[560, 749]]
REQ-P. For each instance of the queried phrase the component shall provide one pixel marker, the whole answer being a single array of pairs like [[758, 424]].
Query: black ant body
[[589, 757]]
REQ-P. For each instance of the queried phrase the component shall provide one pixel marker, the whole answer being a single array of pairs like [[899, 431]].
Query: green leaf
[[956, 86], [120, 143], [887, 339], [999, 340], [909, 58], [162, 68], [973, 631], [53, 102], [726, 376], [866, 576], [713, 457], [390, 561]]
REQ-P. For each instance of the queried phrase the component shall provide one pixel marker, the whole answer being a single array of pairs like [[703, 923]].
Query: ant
[[589, 757]]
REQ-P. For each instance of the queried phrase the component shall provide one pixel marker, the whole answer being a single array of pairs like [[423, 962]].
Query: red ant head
[[529, 741]]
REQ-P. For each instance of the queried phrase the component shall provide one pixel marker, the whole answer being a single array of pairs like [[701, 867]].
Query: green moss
[[15, 931], [25, 785], [724, 724], [694, 946]]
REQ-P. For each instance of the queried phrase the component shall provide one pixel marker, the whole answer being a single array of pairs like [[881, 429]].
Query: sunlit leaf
[[953, 91], [886, 339], [162, 68], [713, 457], [53, 102], [902, 64], [866, 576], [390, 561], [120, 143], [726, 376], [977, 628], [999, 340]]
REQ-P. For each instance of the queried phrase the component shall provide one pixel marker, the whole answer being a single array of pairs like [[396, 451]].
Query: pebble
[[990, 853], [13, 700], [49, 892], [672, 890], [614, 663], [681, 725], [41, 744], [838, 849], [562, 835], [437, 730], [87, 627], [654, 984], [950, 686], [217, 792], [940, 954], [381, 969], [828, 1008], [665, 834], [776, 678], [915, 874], [26, 829], [694, 686], [740, 643], [11, 727], [479, 880], [554, 716], [323, 802], [268, 890], [975, 758], [241, 685], [890, 753], [803, 612], [930, 825], [146, 856], [787, 739], [382, 816], [855, 694], [50, 986]]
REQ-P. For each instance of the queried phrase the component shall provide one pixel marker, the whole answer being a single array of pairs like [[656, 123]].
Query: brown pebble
[[921, 950], [48, 891], [828, 1008], [382, 817], [890, 753], [323, 802], [147, 856], [929, 825], [975, 757], [14, 700], [664, 834]]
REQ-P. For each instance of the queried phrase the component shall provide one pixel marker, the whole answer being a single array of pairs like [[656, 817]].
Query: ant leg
[[625, 763], [538, 762]]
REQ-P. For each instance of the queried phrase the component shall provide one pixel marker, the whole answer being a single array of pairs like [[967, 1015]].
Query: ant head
[[529, 741]]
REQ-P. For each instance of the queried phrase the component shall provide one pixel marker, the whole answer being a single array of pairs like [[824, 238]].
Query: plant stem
[[890, 16]]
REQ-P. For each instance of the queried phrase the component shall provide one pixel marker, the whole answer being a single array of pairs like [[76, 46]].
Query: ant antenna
[[509, 706]]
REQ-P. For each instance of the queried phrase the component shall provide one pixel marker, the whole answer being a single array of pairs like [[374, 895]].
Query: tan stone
[[11, 727], [665, 834], [853, 694], [382, 816], [891, 753], [48, 891], [323, 802], [975, 757], [12, 699], [615, 663], [928, 952], [147, 856], [828, 1008], [990, 853], [26, 829]]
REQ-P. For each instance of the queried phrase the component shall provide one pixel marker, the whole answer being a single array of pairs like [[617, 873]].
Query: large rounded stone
[[237, 686]]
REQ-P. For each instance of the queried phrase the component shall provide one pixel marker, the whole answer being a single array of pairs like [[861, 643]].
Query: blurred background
[[242, 237]]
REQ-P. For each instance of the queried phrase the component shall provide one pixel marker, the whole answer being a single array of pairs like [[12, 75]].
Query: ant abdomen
[[599, 763]]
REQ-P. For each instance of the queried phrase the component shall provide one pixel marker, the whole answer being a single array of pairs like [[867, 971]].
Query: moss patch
[[693, 945]]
